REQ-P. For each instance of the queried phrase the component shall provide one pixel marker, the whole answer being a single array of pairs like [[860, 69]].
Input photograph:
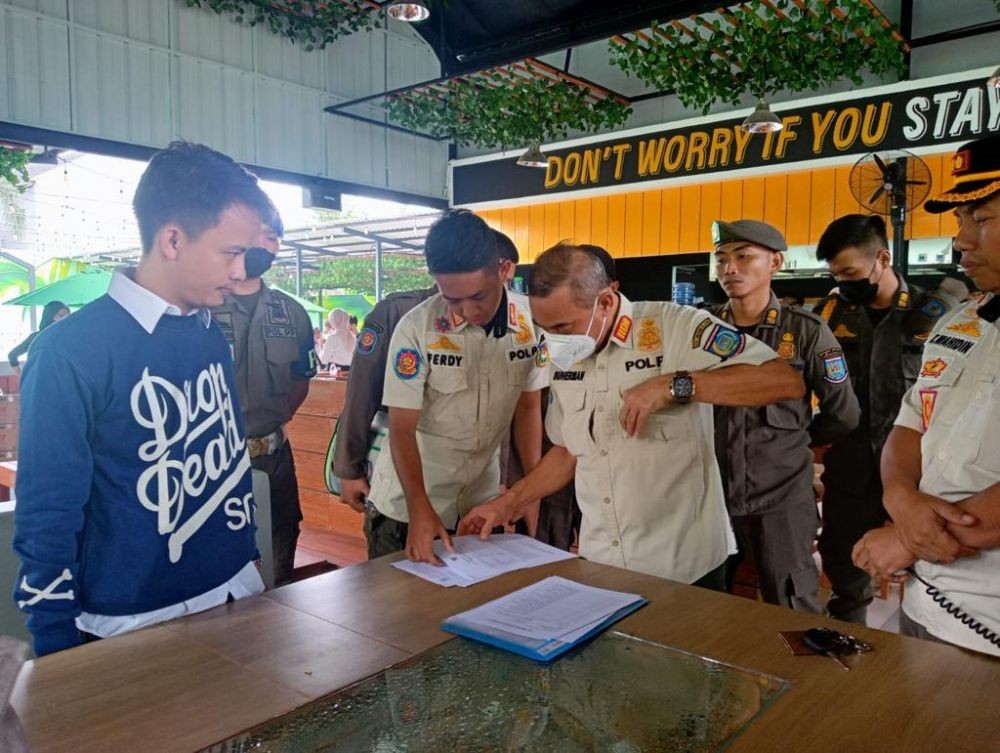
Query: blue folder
[[539, 650]]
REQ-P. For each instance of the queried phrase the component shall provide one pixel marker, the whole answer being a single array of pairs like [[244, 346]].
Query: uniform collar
[[232, 300], [771, 318], [621, 332], [145, 306], [444, 320], [989, 308]]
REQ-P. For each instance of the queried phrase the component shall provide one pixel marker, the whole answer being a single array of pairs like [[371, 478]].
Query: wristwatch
[[682, 387]]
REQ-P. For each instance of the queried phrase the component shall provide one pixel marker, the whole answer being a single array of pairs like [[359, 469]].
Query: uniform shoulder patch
[[934, 368], [927, 400], [367, 340], [725, 342], [698, 332], [834, 366], [406, 364]]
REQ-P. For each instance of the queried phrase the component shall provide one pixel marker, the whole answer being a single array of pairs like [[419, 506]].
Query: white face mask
[[567, 350]]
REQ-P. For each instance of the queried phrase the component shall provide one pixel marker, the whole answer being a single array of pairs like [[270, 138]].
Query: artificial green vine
[[312, 23], [14, 167], [760, 49], [504, 109]]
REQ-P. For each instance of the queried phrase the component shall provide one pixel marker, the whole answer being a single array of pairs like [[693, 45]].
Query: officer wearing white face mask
[[630, 418]]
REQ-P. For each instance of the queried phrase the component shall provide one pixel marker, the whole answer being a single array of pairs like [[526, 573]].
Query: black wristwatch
[[682, 387]]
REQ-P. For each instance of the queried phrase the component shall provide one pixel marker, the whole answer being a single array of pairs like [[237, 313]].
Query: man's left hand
[[881, 554], [641, 400]]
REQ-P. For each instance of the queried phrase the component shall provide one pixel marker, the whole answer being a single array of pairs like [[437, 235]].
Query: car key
[[825, 641]]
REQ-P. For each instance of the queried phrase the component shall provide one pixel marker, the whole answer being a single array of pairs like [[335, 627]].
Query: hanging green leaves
[[510, 106], [311, 23], [14, 167], [762, 47]]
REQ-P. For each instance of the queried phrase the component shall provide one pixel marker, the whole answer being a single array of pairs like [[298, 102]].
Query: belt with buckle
[[268, 445]]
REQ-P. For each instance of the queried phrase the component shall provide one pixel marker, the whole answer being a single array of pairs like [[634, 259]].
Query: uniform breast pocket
[[576, 428], [447, 380], [281, 355]]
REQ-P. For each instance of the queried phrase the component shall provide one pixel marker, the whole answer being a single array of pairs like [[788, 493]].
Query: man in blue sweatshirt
[[134, 501]]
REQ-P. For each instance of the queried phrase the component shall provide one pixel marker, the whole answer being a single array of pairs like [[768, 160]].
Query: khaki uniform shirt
[[955, 404], [272, 345], [763, 452], [651, 503], [366, 380], [466, 384]]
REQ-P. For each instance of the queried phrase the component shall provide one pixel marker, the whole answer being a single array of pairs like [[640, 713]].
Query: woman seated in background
[[338, 348], [52, 313]]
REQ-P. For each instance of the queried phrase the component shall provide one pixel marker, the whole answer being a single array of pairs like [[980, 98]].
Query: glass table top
[[617, 694]]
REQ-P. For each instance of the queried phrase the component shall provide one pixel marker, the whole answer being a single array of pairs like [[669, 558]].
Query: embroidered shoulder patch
[[725, 342], [367, 340], [834, 366], [406, 365], [622, 329], [933, 308], [698, 332], [927, 400], [542, 355], [934, 368], [786, 348], [442, 324]]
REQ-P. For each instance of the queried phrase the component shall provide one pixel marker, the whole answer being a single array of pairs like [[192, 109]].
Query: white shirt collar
[[145, 306]]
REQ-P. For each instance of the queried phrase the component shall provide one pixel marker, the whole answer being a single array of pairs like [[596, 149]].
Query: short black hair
[[607, 261], [192, 185], [864, 231], [506, 247], [460, 241], [352, 319]]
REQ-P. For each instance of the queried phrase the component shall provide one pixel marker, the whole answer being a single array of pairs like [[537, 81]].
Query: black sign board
[[917, 117]]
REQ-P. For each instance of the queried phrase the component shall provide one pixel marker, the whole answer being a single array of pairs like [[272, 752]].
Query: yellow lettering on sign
[[553, 172], [650, 156], [845, 131], [786, 134], [873, 133], [696, 149], [742, 143], [620, 151], [821, 124], [674, 157], [591, 166], [718, 153], [571, 168]]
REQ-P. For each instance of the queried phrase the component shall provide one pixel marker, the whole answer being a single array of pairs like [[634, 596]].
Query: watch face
[[683, 387]]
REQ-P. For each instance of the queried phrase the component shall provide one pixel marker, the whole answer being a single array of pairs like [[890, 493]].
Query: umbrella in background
[[75, 290], [354, 304]]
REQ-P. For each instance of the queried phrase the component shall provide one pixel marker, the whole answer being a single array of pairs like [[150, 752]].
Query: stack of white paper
[[546, 618], [476, 560]]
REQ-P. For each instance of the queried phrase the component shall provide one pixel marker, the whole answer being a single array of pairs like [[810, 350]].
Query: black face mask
[[860, 292], [257, 261]]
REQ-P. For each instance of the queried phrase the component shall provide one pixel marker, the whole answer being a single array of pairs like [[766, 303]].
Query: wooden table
[[186, 684]]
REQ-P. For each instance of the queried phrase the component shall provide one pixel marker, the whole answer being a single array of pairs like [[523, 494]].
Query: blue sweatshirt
[[133, 482]]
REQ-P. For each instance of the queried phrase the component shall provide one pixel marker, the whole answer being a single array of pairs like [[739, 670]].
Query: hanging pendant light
[[994, 80], [534, 157], [762, 120], [409, 11]]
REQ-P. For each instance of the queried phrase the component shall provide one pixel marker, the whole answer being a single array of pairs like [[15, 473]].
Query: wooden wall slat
[[633, 224]]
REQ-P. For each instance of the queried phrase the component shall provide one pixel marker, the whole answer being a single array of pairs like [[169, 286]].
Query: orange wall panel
[[551, 234], [582, 222], [753, 199], [536, 233], [522, 219], [710, 210], [650, 223], [822, 202], [599, 221], [616, 225], [844, 201], [776, 200], [567, 219], [797, 214], [670, 220], [633, 224], [690, 237], [731, 207]]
